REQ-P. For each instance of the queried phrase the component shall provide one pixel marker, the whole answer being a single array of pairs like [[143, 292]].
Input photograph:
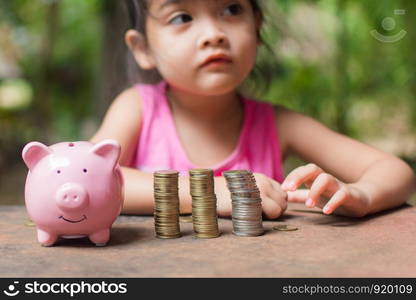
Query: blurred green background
[[351, 64]]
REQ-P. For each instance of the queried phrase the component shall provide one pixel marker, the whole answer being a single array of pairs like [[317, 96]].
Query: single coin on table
[[284, 227]]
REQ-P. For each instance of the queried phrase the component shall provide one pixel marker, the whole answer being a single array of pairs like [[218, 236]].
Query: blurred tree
[[113, 58], [409, 53]]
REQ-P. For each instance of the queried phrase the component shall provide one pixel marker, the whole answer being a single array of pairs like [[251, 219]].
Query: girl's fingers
[[278, 189], [298, 196], [271, 209], [339, 198], [279, 197], [301, 175], [277, 194], [324, 183]]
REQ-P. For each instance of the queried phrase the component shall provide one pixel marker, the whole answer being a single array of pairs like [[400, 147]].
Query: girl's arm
[[354, 178], [138, 193], [122, 123]]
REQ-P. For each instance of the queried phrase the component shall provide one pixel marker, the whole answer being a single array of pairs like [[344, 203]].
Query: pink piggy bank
[[73, 189]]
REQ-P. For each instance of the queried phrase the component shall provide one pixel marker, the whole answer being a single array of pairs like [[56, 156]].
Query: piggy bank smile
[[84, 217]]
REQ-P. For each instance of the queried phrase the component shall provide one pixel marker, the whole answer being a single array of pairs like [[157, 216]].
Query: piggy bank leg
[[46, 238], [100, 238]]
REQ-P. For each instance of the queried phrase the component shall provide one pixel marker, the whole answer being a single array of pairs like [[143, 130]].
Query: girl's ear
[[138, 47]]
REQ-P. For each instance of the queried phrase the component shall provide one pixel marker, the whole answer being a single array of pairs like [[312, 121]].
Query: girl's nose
[[212, 35]]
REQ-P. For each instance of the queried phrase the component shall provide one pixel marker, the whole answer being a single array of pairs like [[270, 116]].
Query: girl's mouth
[[217, 60]]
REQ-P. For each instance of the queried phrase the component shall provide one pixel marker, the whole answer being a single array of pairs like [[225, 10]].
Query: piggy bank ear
[[33, 152], [109, 149]]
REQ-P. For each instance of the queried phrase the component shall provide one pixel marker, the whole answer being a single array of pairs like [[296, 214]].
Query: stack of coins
[[204, 203], [166, 211], [246, 203]]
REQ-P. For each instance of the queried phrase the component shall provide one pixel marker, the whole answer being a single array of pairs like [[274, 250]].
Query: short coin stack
[[246, 203], [166, 211], [204, 203]]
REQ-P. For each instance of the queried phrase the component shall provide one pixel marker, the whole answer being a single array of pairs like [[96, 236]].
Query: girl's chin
[[215, 90], [210, 87]]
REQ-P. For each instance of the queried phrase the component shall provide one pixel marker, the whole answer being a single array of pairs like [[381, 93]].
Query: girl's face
[[205, 47]]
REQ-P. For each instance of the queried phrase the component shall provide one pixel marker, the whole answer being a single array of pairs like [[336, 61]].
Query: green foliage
[[359, 68], [59, 43]]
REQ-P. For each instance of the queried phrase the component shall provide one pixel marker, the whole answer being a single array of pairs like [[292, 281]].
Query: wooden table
[[383, 245]]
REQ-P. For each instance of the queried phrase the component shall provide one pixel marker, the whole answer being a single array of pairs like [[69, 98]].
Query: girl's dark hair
[[137, 10]]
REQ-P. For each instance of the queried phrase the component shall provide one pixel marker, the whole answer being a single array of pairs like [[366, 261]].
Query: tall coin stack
[[166, 211], [246, 203], [204, 203]]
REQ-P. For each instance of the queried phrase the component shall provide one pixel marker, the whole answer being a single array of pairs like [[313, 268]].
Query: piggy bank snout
[[71, 197]]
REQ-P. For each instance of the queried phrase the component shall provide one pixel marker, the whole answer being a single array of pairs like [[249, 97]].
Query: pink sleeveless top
[[159, 147]]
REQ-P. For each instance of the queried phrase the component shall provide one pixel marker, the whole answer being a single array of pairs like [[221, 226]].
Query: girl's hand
[[325, 191], [274, 199]]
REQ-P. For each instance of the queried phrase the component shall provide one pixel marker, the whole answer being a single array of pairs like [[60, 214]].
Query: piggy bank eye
[[85, 170], [58, 171]]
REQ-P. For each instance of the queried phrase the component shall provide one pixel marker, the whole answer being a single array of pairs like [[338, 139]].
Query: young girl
[[195, 118]]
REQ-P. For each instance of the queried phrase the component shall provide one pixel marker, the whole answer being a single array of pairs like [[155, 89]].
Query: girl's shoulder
[[299, 133], [291, 126], [128, 99], [284, 116], [127, 105], [122, 122], [294, 123]]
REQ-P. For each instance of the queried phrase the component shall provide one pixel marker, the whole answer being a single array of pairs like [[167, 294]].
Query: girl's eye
[[233, 9], [180, 19]]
